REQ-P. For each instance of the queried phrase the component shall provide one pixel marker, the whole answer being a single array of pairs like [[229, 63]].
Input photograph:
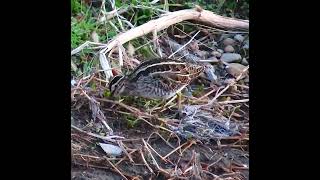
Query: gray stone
[[220, 51], [228, 41], [246, 45], [244, 61], [230, 57], [216, 54], [238, 37], [229, 49]]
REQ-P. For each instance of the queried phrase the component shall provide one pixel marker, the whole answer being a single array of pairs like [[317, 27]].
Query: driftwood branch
[[168, 19]]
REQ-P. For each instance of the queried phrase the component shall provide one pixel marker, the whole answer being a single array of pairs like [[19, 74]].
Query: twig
[[125, 157], [161, 138], [114, 26], [120, 56], [145, 162], [242, 86], [107, 138], [214, 162], [137, 113], [175, 17], [183, 52], [84, 45], [209, 60], [187, 35], [147, 7], [227, 87], [126, 21], [149, 146], [207, 94], [117, 169], [184, 44], [175, 150], [105, 65], [153, 159], [115, 12], [212, 29], [170, 101], [234, 101], [122, 146], [94, 157], [189, 145], [216, 176], [232, 145], [113, 6]]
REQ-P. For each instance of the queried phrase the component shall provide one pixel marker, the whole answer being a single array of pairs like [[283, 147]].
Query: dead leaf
[[235, 69]]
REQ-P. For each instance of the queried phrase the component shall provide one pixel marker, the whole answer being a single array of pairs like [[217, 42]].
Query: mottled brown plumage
[[157, 79]]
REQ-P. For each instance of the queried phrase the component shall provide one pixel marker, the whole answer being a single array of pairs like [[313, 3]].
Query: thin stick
[[161, 138], [117, 169], [216, 176], [101, 80], [207, 94], [120, 56], [234, 101], [107, 138], [170, 101], [84, 45], [242, 86], [122, 146], [94, 157], [209, 60], [186, 34], [189, 145], [145, 162], [227, 87], [184, 44], [175, 150], [214, 162], [125, 157], [149, 146]]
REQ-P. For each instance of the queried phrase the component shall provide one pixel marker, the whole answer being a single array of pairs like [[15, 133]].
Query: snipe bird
[[156, 79]]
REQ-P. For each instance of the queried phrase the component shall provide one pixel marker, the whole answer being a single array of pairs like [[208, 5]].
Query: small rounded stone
[[229, 49]]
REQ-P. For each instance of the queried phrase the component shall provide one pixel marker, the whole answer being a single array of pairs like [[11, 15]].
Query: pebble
[[216, 54], [73, 82], [210, 72], [229, 49], [244, 61], [220, 51], [230, 57], [246, 80], [239, 38], [246, 45], [235, 69], [201, 53], [228, 41]]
